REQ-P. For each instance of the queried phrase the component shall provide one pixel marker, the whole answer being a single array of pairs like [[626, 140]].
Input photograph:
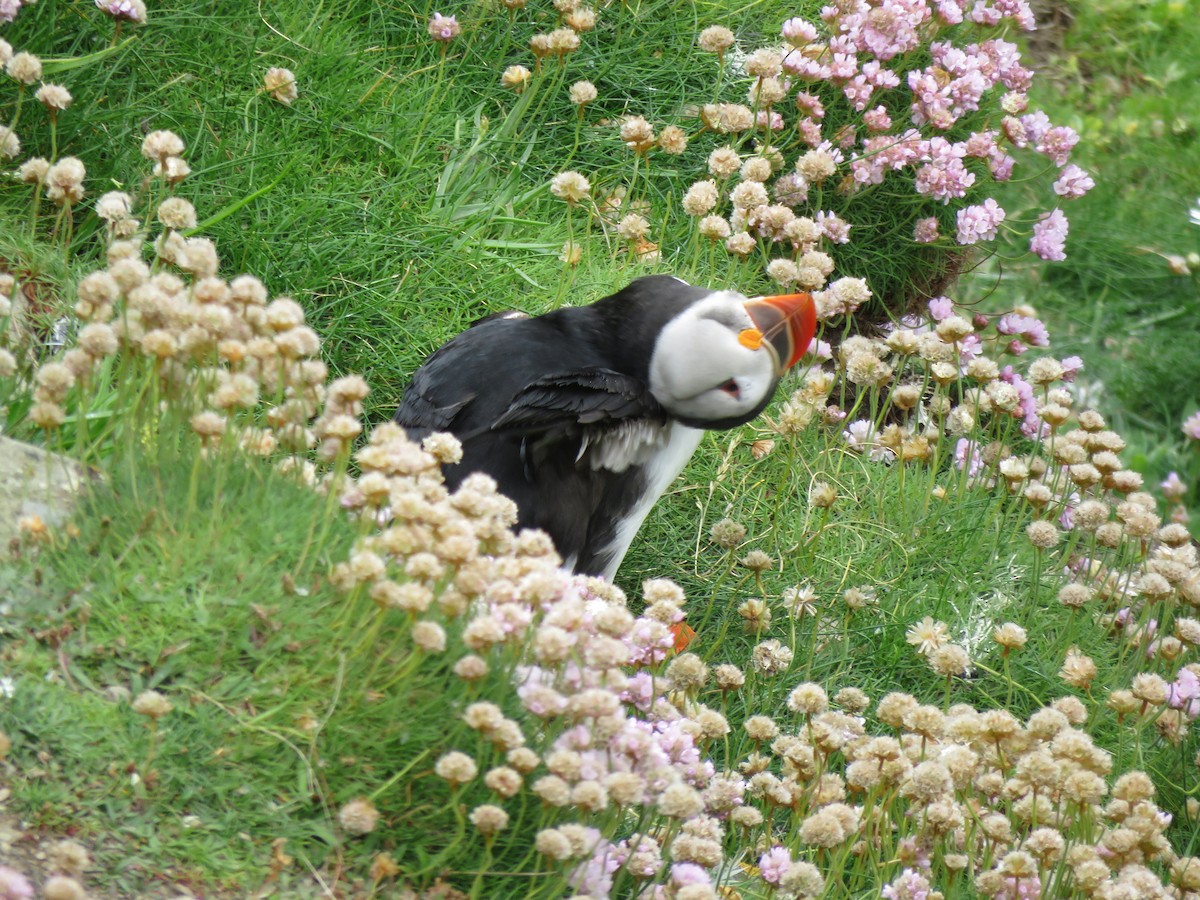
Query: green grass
[[1123, 74], [402, 196]]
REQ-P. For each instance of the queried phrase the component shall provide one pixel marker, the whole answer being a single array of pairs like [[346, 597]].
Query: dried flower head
[[281, 85], [570, 186], [152, 704], [358, 816], [582, 93]]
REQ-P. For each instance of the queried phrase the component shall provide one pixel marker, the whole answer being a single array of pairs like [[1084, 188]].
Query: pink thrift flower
[[443, 28], [979, 223], [1057, 143], [810, 105], [1173, 487], [14, 885], [773, 864], [967, 456], [1073, 182], [121, 9], [1072, 365], [1191, 426], [941, 308], [926, 231], [877, 119], [820, 351], [1183, 690], [799, 32], [950, 11], [773, 121], [837, 230], [684, 874], [1050, 236]]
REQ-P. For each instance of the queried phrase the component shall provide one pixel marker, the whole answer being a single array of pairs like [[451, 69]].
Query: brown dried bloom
[[24, 67], [715, 39], [70, 857], [950, 660], [61, 887], [1010, 636], [1043, 535], [358, 816], [152, 704], [281, 85], [582, 93], [637, 134], [672, 140], [457, 768], [570, 186], [516, 78], [489, 819], [808, 698], [1077, 670], [159, 145], [928, 635], [728, 533], [54, 97]]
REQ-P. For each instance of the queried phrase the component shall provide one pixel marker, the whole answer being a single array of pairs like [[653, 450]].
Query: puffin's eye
[[731, 388]]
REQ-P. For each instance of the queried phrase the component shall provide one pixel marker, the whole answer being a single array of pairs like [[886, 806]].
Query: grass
[[402, 196], [1120, 73]]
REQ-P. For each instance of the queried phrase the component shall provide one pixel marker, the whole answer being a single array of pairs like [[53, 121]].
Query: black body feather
[[529, 397]]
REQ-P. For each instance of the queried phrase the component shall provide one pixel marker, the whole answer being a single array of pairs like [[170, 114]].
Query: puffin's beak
[[785, 324]]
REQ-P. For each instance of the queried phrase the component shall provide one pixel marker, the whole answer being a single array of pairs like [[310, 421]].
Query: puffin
[[585, 415]]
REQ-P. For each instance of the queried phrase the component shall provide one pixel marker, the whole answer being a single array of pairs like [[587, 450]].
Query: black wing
[[590, 398]]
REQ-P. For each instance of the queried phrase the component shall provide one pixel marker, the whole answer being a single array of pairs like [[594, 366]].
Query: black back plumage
[[528, 396]]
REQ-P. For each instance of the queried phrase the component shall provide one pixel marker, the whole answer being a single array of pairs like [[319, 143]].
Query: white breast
[[665, 460]]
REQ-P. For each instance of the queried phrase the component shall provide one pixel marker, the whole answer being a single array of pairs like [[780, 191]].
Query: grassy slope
[[387, 274]]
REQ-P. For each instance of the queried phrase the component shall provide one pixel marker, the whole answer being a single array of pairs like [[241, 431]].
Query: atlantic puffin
[[585, 415]]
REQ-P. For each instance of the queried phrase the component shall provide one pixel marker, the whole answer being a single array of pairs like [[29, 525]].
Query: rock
[[36, 482]]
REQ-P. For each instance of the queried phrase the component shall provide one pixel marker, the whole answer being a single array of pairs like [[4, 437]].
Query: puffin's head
[[716, 364]]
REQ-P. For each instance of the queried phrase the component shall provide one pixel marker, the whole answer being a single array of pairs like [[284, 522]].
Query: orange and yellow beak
[[785, 324]]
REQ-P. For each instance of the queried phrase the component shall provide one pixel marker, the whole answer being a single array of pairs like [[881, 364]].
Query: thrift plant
[[927, 632]]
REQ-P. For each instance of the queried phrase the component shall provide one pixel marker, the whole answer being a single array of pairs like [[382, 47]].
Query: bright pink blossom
[[1050, 236]]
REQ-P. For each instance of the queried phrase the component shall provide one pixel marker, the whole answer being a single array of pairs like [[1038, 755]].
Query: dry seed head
[[715, 39], [571, 187], [358, 816], [54, 97], [281, 84], [24, 67], [61, 887], [152, 704], [582, 93], [159, 145]]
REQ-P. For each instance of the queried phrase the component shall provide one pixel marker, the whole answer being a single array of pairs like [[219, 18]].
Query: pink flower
[[1073, 182], [1173, 487], [967, 456], [979, 223], [1183, 690], [1031, 329], [926, 231], [121, 9], [810, 105], [773, 864], [443, 28], [837, 230], [911, 885], [877, 119], [798, 32], [684, 874], [1050, 236], [820, 351], [941, 308], [14, 885], [1057, 143], [1072, 365], [1191, 426]]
